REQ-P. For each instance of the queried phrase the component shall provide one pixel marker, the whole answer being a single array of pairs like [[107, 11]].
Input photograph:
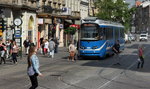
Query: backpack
[[26, 43], [51, 45]]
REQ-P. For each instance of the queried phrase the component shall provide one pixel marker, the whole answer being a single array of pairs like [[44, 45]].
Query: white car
[[143, 37]]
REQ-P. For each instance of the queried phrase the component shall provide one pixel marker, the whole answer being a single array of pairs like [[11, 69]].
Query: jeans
[[34, 82], [141, 62], [51, 53], [2, 59], [26, 50], [56, 49], [14, 57]]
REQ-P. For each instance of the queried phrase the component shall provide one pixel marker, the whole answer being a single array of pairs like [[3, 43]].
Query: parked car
[[127, 38], [143, 37], [132, 37]]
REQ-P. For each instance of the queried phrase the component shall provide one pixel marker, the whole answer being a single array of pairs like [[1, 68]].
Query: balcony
[[47, 9], [55, 1], [19, 3], [63, 3], [75, 13], [59, 2]]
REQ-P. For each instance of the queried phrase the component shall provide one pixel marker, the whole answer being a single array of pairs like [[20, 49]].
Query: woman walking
[[2, 52], [141, 57], [33, 67], [71, 52], [14, 52]]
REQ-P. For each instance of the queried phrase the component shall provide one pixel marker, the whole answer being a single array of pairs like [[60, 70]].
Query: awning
[[78, 22], [69, 21]]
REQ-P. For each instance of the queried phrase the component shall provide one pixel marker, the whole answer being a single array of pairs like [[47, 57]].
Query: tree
[[115, 10]]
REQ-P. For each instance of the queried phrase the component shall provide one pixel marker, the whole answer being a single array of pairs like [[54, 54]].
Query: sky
[[131, 2]]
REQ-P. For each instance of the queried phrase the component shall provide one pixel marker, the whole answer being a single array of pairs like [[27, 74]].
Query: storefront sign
[[40, 21]]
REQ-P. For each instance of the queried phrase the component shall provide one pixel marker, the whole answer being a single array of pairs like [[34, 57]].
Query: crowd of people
[[49, 47], [8, 50]]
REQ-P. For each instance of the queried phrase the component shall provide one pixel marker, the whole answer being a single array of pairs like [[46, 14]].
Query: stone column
[[57, 31], [61, 39]]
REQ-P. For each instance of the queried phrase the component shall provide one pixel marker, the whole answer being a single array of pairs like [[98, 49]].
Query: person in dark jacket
[[2, 52], [26, 46], [116, 49], [56, 45]]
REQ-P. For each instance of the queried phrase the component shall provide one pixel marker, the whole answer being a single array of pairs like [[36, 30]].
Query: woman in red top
[[140, 53]]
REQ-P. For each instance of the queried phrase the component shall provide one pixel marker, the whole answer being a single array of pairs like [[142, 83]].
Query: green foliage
[[70, 30], [117, 11]]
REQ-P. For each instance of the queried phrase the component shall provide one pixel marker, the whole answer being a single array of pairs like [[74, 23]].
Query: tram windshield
[[89, 32]]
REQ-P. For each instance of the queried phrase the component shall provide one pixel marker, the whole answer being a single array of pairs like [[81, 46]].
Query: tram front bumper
[[91, 53]]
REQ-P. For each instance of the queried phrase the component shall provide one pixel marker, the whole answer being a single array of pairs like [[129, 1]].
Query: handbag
[[139, 60], [36, 74]]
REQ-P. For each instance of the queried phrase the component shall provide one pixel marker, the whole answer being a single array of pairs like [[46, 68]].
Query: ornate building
[[53, 17], [20, 20]]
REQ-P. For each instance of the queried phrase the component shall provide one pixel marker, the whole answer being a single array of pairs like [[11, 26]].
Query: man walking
[[26, 46], [116, 49], [51, 48], [141, 57]]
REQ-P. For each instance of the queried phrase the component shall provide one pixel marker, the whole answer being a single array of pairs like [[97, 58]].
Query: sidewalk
[[44, 59]]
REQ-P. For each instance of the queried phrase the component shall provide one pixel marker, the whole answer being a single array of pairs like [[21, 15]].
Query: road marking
[[105, 84]]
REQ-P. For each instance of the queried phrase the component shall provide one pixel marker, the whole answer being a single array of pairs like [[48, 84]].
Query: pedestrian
[[33, 67], [56, 45], [41, 45], [15, 49], [26, 45], [116, 49], [31, 43], [51, 48], [46, 48], [141, 57], [2, 52], [71, 52], [8, 48]]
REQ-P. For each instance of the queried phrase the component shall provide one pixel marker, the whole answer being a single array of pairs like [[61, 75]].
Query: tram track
[[119, 74]]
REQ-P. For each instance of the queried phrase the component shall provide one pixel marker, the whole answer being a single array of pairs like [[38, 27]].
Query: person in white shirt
[[46, 48], [51, 48], [71, 51]]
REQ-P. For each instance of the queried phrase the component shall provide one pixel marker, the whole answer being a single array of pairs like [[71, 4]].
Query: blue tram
[[98, 36]]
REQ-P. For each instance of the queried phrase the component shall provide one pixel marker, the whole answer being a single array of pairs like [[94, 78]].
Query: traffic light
[[2, 24]]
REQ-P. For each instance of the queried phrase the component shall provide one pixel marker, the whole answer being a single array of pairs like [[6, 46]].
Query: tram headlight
[[94, 47]]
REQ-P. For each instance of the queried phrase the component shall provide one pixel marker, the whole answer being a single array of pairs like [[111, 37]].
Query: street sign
[[3, 24], [17, 33], [61, 26]]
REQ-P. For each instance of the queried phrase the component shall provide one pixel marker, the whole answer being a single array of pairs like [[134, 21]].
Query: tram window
[[116, 33], [122, 33], [101, 34], [109, 33]]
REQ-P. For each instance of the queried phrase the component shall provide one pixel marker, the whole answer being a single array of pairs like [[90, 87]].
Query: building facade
[[55, 16], [142, 17], [23, 10], [42, 18], [84, 9]]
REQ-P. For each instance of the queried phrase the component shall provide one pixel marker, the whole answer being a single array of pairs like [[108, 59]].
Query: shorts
[[72, 53], [45, 50]]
